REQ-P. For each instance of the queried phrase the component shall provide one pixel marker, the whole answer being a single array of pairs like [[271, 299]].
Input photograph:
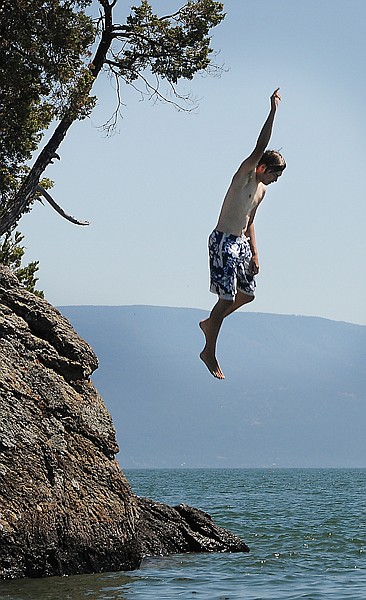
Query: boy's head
[[270, 166], [273, 161]]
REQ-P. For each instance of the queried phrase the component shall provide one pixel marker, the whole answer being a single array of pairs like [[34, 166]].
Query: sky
[[153, 191]]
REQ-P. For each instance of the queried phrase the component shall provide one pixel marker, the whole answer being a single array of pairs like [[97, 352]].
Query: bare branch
[[153, 92], [58, 208], [110, 125]]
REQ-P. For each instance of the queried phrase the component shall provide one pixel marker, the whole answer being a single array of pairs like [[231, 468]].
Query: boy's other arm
[[254, 261], [250, 234]]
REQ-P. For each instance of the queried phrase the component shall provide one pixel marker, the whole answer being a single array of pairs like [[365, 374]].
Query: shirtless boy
[[232, 247]]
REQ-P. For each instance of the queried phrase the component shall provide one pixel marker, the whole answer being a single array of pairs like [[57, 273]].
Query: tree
[[48, 71], [11, 254], [43, 48]]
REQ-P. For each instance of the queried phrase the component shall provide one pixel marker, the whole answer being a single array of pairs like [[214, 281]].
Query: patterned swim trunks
[[229, 265]]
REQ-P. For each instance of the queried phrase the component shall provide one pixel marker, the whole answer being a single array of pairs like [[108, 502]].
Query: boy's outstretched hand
[[275, 98]]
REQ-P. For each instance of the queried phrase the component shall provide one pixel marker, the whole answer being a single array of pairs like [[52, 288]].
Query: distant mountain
[[294, 393]]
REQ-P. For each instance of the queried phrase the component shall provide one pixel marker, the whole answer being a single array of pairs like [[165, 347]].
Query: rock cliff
[[65, 505]]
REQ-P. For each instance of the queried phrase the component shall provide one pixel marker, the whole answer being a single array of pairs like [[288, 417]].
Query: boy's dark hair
[[273, 160]]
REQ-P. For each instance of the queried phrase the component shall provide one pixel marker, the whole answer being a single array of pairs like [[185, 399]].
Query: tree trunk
[[26, 193]]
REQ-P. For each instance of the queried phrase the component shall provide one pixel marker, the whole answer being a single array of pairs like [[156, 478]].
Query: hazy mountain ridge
[[294, 393]]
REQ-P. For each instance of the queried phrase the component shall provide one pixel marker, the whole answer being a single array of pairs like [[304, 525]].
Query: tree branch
[[105, 42], [58, 208]]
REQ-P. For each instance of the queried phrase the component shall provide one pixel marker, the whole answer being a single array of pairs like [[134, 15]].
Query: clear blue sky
[[153, 191]]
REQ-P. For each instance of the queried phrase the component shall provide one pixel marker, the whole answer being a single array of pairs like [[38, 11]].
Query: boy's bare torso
[[240, 203]]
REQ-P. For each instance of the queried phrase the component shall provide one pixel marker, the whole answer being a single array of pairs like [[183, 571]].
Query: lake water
[[306, 529]]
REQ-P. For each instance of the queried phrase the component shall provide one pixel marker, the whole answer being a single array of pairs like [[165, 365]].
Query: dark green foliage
[[172, 47], [43, 46], [11, 255]]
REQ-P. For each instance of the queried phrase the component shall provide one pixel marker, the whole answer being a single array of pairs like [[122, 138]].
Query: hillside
[[294, 393]]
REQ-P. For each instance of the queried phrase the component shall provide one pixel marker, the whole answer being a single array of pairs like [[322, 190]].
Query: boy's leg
[[240, 300], [211, 328]]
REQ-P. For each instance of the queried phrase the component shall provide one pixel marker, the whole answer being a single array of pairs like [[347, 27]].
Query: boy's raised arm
[[266, 131], [264, 136]]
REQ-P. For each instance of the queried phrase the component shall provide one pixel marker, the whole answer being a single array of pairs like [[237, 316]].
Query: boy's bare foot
[[212, 365], [208, 358]]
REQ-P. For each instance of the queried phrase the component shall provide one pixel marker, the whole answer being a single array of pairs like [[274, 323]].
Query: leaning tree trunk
[[28, 189]]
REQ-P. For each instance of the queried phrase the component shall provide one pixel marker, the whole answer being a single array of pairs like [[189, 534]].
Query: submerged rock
[[65, 504]]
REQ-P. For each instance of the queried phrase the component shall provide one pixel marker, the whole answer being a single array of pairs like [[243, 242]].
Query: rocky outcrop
[[65, 505], [164, 530]]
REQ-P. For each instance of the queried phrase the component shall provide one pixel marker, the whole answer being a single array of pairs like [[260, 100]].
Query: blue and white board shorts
[[229, 265]]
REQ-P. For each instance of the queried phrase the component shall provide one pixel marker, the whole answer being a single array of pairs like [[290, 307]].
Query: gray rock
[[65, 504], [167, 530]]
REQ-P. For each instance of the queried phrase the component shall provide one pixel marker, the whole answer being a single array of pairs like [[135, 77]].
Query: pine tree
[[11, 255]]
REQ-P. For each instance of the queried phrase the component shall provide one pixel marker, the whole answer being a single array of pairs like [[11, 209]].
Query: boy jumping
[[232, 247]]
